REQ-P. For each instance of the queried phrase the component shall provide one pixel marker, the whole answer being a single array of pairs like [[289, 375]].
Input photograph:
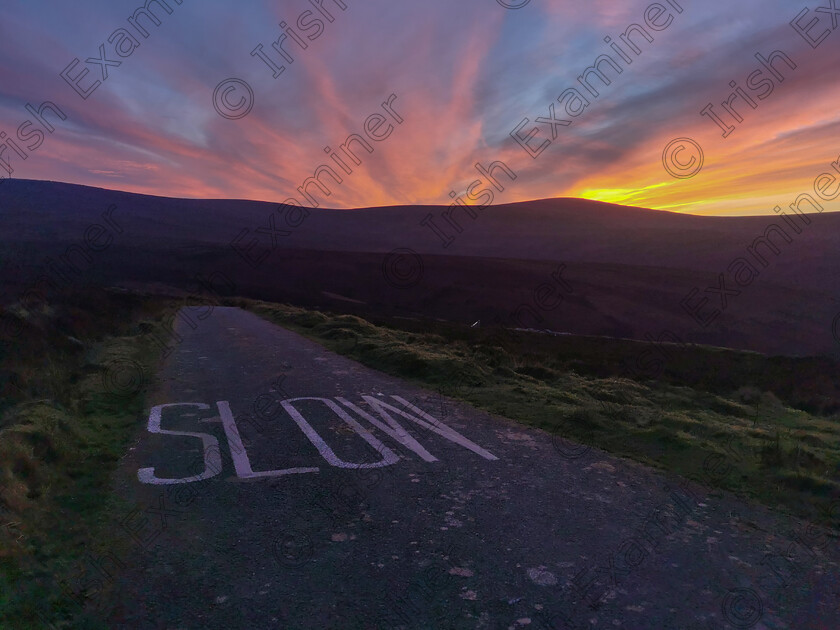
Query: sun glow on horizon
[[152, 127]]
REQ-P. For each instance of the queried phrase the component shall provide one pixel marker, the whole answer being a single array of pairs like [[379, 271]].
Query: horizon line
[[411, 205]]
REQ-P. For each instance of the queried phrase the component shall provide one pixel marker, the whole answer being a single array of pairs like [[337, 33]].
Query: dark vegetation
[[760, 426], [764, 427], [767, 427], [73, 372]]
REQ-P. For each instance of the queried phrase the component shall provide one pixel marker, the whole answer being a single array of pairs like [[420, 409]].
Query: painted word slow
[[339, 407]]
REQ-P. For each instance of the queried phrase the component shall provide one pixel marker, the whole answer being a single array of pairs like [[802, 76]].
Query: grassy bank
[[73, 374], [763, 427]]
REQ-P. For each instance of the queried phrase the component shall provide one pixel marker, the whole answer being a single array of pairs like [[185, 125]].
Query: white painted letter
[[395, 430], [427, 422], [388, 456], [237, 450], [212, 458]]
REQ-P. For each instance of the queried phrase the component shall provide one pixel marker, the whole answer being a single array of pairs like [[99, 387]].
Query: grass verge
[[758, 433], [73, 375]]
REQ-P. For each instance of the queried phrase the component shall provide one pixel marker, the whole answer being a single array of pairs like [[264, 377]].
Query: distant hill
[[631, 266]]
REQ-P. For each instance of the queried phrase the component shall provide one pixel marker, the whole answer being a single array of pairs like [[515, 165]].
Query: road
[[377, 504]]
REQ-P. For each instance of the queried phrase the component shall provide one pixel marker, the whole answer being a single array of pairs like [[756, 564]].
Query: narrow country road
[[278, 485]]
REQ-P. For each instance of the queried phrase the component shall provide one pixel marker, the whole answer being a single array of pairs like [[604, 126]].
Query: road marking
[[241, 463], [389, 457], [395, 430], [212, 455], [430, 423]]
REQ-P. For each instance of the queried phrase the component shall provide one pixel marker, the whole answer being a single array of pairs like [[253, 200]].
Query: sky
[[173, 116]]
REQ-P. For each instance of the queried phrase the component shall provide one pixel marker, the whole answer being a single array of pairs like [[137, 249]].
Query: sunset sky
[[465, 75]]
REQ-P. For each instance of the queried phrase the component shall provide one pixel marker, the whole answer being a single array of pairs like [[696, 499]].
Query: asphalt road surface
[[377, 504]]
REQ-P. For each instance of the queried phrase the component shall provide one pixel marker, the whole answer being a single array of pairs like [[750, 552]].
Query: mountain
[[630, 268]]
